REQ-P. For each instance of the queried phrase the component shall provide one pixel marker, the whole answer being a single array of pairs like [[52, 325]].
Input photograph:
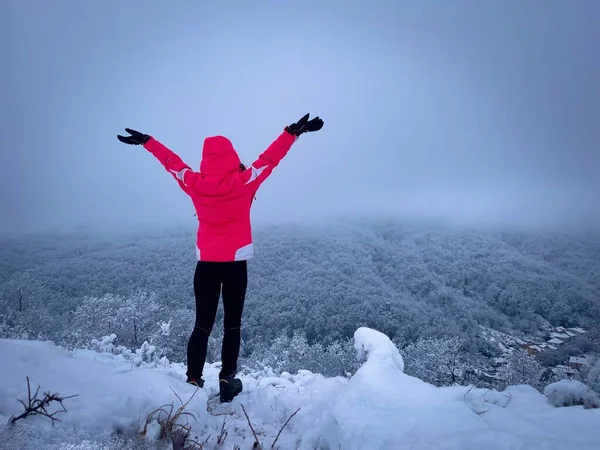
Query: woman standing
[[222, 193]]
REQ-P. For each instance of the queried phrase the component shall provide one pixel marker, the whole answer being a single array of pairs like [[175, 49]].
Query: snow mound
[[571, 393], [380, 407], [377, 347]]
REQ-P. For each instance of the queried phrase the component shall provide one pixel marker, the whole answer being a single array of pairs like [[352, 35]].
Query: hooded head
[[219, 157]]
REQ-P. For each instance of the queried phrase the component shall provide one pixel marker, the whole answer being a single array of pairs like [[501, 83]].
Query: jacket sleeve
[[260, 170], [184, 175]]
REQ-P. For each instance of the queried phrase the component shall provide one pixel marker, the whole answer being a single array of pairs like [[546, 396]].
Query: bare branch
[[474, 386], [37, 406], [510, 397], [257, 384], [284, 425], [256, 441]]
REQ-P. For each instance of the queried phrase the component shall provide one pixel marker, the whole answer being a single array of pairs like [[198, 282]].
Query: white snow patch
[[570, 393]]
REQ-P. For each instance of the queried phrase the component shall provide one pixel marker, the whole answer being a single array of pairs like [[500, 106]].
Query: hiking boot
[[229, 387], [196, 382]]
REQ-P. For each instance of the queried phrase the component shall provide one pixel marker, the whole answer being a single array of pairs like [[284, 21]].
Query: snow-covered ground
[[380, 407]]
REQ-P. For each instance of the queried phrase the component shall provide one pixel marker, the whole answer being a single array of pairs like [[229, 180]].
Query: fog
[[474, 112]]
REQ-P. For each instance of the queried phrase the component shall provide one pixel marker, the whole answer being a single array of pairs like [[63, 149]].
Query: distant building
[[576, 362], [555, 341], [562, 335], [532, 349]]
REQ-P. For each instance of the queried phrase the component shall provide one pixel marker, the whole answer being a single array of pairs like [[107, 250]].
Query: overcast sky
[[479, 112]]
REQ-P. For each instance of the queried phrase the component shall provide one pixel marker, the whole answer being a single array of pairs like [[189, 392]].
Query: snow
[[379, 407], [571, 392], [378, 348]]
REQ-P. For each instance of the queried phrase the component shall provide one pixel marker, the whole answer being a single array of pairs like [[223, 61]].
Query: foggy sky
[[478, 112]]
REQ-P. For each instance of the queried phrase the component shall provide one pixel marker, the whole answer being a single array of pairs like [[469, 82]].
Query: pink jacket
[[222, 193]]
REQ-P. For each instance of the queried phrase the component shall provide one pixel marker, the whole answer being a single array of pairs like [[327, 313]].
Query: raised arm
[[184, 175], [260, 170]]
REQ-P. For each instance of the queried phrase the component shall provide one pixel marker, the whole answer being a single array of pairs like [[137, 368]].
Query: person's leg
[[207, 289], [235, 281]]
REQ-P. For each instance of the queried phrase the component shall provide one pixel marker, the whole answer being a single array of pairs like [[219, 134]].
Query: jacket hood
[[219, 156]]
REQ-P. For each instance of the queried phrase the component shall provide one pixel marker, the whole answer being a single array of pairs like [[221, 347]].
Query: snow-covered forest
[[432, 289]]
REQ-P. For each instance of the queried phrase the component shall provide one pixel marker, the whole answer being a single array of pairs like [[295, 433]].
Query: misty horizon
[[468, 113]]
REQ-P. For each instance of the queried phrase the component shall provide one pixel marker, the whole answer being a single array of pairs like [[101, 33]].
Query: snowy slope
[[378, 408]]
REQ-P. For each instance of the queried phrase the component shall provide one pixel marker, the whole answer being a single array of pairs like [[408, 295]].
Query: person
[[222, 193]]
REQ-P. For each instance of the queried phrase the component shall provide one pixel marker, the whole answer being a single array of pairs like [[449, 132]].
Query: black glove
[[304, 125], [136, 137]]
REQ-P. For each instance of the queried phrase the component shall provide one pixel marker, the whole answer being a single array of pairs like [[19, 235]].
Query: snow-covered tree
[[136, 318], [340, 359], [162, 337], [131, 318], [510, 301], [22, 309], [295, 353], [215, 343], [521, 368], [24, 290], [590, 373], [171, 333], [95, 316], [437, 361], [277, 355]]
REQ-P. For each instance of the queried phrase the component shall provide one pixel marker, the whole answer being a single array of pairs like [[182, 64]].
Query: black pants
[[210, 280]]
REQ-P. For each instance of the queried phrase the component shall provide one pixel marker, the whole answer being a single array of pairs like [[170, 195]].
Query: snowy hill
[[379, 407]]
